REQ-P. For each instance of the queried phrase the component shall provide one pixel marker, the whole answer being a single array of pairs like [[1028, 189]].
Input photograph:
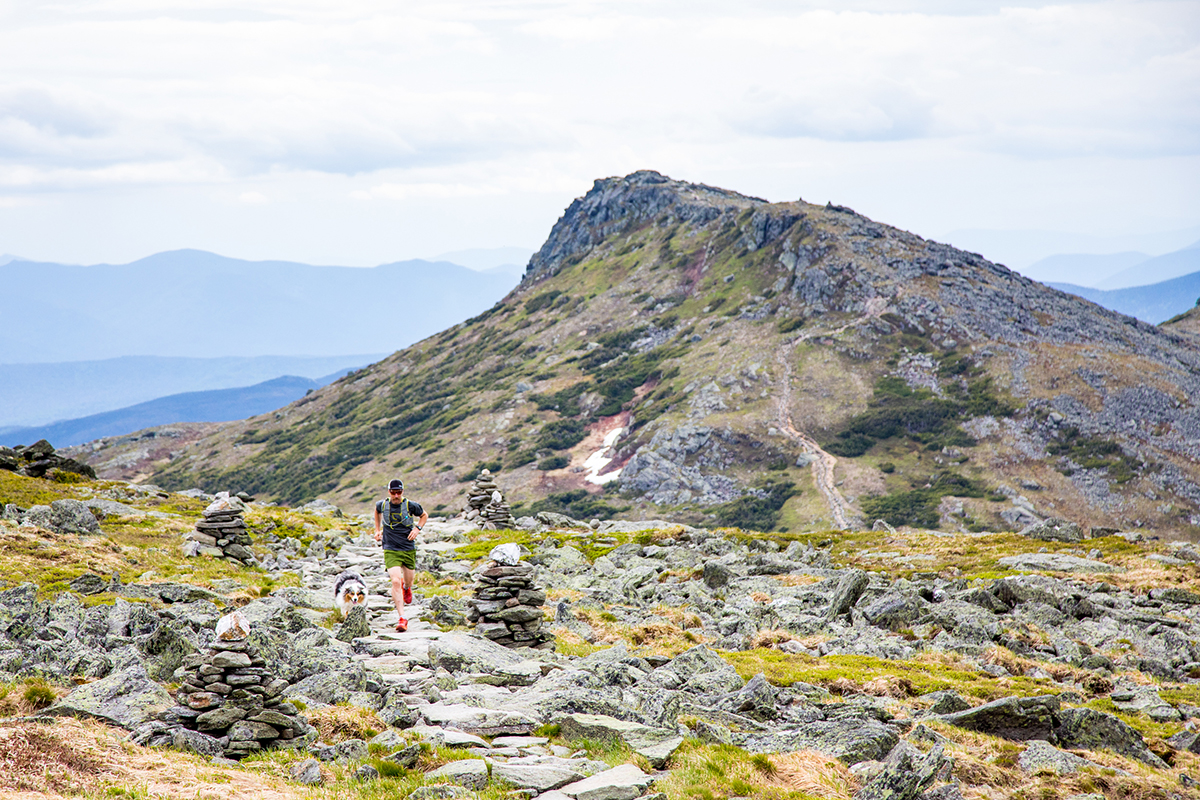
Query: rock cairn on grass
[[222, 532], [497, 513], [506, 606], [479, 495], [228, 695]]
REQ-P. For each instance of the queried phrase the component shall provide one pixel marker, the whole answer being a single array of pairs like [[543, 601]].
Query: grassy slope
[[435, 410]]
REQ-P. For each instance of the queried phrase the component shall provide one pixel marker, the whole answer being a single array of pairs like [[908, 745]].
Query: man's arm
[[378, 525], [412, 535]]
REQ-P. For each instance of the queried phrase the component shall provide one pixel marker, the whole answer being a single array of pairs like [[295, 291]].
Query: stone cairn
[[497, 513], [222, 532], [229, 695], [479, 495], [507, 607], [486, 505]]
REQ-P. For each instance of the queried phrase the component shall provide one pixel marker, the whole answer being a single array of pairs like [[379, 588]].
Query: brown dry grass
[[72, 757], [892, 686], [797, 580], [684, 619], [771, 638], [1019, 665], [34, 757], [814, 774], [339, 723]]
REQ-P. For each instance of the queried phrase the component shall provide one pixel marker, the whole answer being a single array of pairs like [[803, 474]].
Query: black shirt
[[395, 532]]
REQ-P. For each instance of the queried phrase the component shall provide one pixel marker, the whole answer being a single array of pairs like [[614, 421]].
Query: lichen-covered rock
[[1089, 729], [354, 626], [906, 774], [1017, 718], [1054, 529], [72, 516], [127, 699]]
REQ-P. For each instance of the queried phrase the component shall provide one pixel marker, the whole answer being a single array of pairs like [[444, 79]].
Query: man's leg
[[409, 574], [397, 575]]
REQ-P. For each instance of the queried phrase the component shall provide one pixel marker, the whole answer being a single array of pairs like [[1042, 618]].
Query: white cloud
[[253, 198], [428, 101]]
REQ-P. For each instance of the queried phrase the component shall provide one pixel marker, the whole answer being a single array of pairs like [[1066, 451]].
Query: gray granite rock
[[1089, 729], [469, 772], [126, 699]]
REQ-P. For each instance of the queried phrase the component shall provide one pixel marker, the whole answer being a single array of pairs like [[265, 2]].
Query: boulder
[[507, 554], [655, 744], [1089, 729], [72, 516], [354, 626], [894, 611], [1054, 530], [756, 699], [456, 652], [625, 782], [716, 574], [127, 698], [307, 772], [1039, 756], [469, 772], [543, 773], [1055, 562], [853, 583], [906, 774], [478, 721], [1018, 718], [196, 742], [849, 739]]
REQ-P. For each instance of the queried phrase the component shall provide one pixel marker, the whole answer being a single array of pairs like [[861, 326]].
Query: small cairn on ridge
[[507, 607], [229, 695], [222, 532]]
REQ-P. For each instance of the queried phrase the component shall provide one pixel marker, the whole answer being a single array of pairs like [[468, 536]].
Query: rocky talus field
[[1055, 662]]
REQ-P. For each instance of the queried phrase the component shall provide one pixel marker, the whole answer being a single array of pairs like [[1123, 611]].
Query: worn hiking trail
[[823, 463]]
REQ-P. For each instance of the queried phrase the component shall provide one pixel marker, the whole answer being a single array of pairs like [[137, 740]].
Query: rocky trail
[[823, 463]]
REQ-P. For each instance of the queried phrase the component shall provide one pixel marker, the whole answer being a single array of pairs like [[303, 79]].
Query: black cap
[[396, 485]]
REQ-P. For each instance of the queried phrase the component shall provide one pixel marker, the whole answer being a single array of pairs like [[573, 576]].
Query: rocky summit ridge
[[676, 349]]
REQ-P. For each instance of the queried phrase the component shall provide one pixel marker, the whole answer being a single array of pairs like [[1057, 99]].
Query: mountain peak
[[616, 204]]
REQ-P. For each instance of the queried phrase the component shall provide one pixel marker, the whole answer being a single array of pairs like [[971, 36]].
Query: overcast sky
[[366, 131]]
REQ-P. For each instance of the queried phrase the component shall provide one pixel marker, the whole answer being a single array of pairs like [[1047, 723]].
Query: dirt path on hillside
[[823, 464]]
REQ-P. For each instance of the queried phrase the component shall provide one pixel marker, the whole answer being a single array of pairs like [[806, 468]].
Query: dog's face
[[350, 594]]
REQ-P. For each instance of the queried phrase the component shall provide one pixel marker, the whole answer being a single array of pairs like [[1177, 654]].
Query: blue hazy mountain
[[218, 405], [1083, 269], [1155, 270], [197, 304], [38, 394], [1018, 249], [1155, 303]]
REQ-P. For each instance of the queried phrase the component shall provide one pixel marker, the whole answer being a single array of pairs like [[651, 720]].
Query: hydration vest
[[406, 520]]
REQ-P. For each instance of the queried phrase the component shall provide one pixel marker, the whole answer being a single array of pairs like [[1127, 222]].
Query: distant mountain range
[[218, 405], [1155, 303], [38, 394], [1115, 270], [197, 304], [1020, 249]]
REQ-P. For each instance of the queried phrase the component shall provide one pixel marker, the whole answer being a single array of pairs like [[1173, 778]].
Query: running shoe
[[402, 625], [407, 594]]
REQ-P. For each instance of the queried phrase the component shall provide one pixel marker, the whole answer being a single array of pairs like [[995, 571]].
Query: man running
[[397, 530]]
